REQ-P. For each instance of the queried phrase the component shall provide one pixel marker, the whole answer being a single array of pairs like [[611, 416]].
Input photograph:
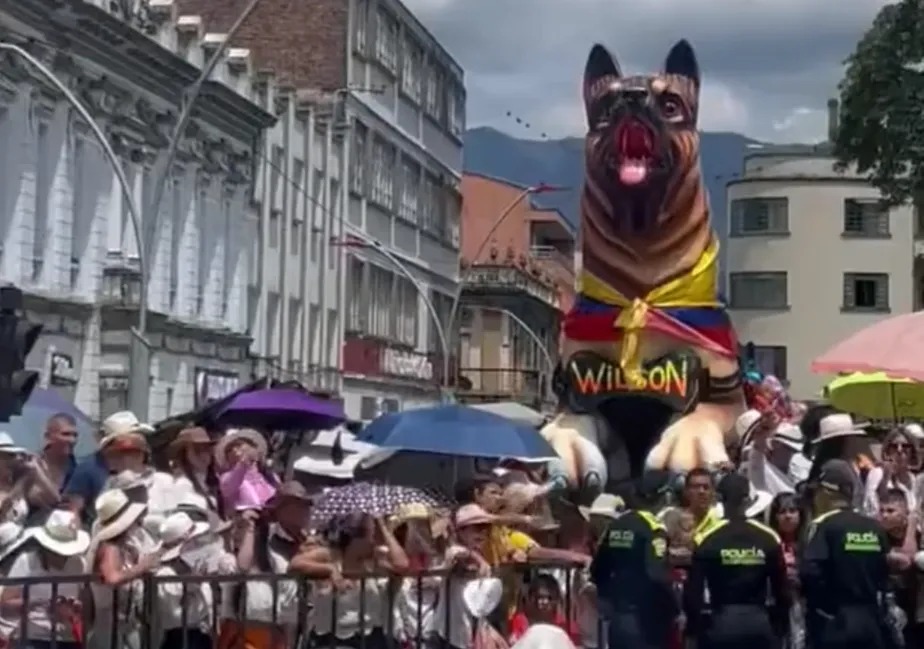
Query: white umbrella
[[515, 411], [317, 458]]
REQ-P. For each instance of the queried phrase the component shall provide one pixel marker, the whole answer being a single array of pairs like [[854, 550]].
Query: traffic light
[[17, 338]]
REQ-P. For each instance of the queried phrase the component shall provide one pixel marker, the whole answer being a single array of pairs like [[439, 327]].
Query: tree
[[881, 126]]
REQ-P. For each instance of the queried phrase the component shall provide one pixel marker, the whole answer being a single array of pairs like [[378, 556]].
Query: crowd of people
[[214, 549]]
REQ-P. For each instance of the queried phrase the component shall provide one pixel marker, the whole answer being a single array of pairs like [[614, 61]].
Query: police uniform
[[737, 560], [633, 580], [844, 573]]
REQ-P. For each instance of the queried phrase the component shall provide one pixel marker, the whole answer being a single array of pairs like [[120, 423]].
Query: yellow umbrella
[[877, 396]]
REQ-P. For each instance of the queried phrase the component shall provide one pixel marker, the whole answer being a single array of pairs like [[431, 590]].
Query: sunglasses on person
[[898, 447]]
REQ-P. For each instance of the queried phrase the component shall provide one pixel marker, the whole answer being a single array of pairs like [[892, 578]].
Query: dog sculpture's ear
[[681, 60], [600, 65]]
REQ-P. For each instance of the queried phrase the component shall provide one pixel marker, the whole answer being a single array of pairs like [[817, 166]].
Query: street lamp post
[[420, 288], [139, 383], [550, 361], [541, 188]]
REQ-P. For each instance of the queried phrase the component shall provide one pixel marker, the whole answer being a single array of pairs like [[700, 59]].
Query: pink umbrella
[[894, 346]]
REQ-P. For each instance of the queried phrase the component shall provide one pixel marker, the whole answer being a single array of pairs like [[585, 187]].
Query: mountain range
[[561, 162]]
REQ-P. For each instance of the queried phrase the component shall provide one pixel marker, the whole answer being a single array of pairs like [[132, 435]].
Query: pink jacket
[[244, 487]]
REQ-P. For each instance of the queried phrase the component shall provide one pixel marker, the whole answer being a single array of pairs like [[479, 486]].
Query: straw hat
[[61, 534], [115, 513], [838, 425], [196, 506], [410, 512], [176, 530], [472, 514], [121, 423], [246, 434], [12, 537], [606, 505], [189, 437], [9, 447], [124, 442]]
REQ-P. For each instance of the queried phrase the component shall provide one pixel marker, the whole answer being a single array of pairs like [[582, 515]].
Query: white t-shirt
[[29, 564], [871, 492], [460, 624]]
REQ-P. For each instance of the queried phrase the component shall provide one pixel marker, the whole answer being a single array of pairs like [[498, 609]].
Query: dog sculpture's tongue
[[636, 149]]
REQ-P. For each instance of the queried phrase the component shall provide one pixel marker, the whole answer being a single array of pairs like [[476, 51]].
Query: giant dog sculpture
[[648, 325]]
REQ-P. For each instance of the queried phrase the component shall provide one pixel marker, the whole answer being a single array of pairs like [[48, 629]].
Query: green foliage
[[881, 129]]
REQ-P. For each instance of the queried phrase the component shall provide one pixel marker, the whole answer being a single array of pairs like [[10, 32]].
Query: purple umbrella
[[282, 410], [373, 498]]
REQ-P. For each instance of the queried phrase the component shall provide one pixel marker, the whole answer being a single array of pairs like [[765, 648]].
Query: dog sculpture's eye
[[671, 108]]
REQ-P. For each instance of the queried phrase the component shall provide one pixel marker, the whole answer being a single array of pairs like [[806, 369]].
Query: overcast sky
[[768, 66]]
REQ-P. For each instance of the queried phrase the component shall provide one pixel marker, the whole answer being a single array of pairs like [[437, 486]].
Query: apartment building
[[398, 99], [813, 256], [517, 283], [67, 236]]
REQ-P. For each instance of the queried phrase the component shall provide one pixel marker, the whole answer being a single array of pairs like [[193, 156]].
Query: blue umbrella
[[456, 430], [28, 428]]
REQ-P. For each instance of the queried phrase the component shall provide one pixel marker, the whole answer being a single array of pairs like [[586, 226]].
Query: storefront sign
[[672, 379], [409, 365], [62, 370], [212, 385]]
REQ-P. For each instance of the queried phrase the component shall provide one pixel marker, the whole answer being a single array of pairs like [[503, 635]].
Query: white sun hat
[[121, 423], [8, 446], [115, 513], [61, 534], [790, 435], [607, 505], [482, 596], [177, 529], [838, 425]]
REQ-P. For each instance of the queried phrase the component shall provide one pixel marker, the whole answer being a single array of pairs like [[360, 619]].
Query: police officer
[[843, 568], [631, 571], [736, 559]]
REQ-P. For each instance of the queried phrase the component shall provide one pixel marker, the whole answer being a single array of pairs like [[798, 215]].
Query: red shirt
[[519, 624]]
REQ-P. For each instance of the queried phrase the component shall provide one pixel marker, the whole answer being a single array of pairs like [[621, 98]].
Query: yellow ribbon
[[697, 288]]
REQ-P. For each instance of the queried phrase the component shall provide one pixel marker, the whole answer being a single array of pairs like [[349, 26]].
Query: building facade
[[65, 226], [813, 256], [398, 99], [517, 284], [295, 296]]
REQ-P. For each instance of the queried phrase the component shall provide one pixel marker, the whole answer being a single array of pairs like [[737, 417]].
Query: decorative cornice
[[139, 14]]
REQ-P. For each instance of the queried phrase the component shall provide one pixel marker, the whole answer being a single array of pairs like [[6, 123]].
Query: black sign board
[[674, 379]]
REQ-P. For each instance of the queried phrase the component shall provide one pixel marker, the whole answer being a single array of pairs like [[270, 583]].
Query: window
[[80, 214], [333, 350], [758, 291], [759, 216], [412, 69], [177, 223], [442, 304], [272, 324], [43, 177], [202, 274], [381, 298], [361, 26], [433, 217], [227, 275], [274, 229], [314, 331], [368, 408], [383, 165], [457, 111], [386, 40], [865, 218], [768, 359], [431, 103], [358, 158], [297, 203], [356, 297], [295, 330], [866, 292], [276, 171], [333, 214], [406, 312], [410, 190]]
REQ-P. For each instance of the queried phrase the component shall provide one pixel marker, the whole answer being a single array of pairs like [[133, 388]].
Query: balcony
[[511, 280], [478, 385], [551, 254]]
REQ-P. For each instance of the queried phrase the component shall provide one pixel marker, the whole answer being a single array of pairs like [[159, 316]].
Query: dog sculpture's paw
[[692, 441]]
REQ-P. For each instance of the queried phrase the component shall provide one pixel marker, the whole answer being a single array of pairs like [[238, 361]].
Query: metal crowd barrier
[[135, 621]]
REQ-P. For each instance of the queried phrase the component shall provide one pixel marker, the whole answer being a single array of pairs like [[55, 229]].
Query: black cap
[[837, 476], [734, 490], [654, 483]]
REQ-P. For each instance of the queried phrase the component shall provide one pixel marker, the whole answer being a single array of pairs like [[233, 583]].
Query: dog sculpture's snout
[[635, 96]]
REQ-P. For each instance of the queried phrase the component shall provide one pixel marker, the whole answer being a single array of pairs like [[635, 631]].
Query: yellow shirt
[[504, 542]]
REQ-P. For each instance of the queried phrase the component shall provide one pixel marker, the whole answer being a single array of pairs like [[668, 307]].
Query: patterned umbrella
[[374, 498]]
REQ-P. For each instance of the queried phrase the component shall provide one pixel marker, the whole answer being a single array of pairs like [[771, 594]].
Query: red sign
[[377, 358]]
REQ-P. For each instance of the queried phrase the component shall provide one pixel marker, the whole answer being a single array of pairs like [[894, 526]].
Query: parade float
[[650, 373]]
